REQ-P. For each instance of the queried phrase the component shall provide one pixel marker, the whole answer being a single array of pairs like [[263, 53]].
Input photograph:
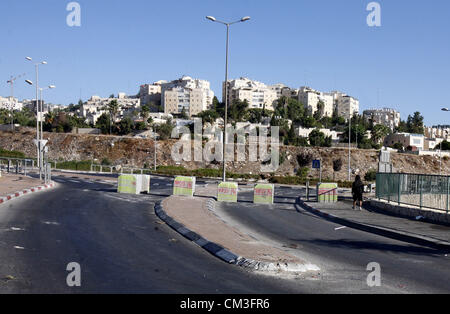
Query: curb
[[224, 254], [385, 232], [15, 195]]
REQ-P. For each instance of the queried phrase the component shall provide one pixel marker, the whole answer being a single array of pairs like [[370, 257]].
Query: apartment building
[[192, 95], [96, 106], [439, 132], [257, 94], [151, 93], [345, 105], [10, 103], [310, 98], [386, 116]]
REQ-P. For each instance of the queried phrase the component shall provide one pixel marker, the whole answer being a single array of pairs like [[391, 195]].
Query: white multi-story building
[[257, 94], [10, 103], [438, 132], [188, 94], [345, 105], [310, 98], [386, 116], [96, 106]]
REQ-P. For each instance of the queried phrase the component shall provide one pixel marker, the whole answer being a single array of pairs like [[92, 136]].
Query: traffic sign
[[316, 164]]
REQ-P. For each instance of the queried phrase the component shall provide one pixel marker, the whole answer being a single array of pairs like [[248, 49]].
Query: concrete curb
[[224, 254], [385, 232], [15, 195]]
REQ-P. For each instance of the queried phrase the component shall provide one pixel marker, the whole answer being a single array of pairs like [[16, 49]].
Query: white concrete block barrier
[[133, 184], [227, 192], [264, 194], [184, 186]]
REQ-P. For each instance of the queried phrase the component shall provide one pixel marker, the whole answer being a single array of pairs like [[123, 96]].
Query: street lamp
[[42, 105], [213, 19], [445, 109], [37, 111], [349, 144]]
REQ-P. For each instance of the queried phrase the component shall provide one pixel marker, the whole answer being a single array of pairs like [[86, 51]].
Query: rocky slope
[[135, 152]]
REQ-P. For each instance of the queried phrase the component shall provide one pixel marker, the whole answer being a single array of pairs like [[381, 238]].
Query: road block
[[184, 186], [133, 184], [264, 194], [327, 192], [227, 192]]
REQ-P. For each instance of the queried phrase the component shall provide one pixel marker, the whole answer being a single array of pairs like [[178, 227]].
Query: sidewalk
[[409, 230], [10, 184], [195, 215]]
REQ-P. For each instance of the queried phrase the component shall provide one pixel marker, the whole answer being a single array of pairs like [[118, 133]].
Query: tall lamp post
[[37, 111], [213, 19], [42, 104], [349, 144], [440, 149]]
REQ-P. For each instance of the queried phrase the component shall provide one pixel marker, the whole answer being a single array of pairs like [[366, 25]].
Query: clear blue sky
[[325, 44]]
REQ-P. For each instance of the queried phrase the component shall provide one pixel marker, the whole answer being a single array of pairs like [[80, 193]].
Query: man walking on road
[[357, 192]]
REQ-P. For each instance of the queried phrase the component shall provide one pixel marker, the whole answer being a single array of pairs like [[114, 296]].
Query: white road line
[[340, 228]]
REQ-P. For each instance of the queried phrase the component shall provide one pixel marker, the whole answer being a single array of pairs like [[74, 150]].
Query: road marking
[[339, 228], [155, 184], [17, 229], [19, 247]]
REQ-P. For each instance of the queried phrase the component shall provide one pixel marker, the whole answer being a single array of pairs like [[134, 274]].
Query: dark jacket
[[358, 187]]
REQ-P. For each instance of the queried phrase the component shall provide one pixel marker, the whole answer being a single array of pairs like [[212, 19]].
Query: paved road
[[342, 253], [121, 245]]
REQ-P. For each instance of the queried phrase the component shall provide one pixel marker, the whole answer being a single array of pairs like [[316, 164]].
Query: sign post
[[317, 164]]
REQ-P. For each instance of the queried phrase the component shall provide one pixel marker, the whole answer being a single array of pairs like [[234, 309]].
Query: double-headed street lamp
[[37, 111], [213, 19]]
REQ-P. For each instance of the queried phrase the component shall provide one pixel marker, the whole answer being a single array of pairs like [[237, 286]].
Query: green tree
[[165, 130], [379, 132]]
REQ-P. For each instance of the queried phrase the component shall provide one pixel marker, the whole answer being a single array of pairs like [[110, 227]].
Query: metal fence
[[424, 191]]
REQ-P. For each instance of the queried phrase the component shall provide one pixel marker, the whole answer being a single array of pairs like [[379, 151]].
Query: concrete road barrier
[[184, 186], [327, 192], [133, 184], [227, 192], [264, 194]]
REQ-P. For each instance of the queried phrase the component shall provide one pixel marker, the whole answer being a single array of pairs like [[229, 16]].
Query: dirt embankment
[[135, 152]]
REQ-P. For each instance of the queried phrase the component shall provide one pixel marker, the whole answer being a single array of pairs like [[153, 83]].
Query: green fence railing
[[424, 191]]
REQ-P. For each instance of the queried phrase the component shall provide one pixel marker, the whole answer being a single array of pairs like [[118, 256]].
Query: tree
[[208, 116], [145, 112], [316, 138], [415, 123], [320, 110], [165, 130], [183, 114], [125, 126], [379, 132], [337, 166], [104, 123]]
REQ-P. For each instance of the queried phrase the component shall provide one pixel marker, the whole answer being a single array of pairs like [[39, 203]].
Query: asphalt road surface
[[342, 253], [122, 247], [120, 244]]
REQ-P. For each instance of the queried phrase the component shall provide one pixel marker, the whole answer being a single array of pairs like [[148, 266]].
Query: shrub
[[371, 175], [11, 153]]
